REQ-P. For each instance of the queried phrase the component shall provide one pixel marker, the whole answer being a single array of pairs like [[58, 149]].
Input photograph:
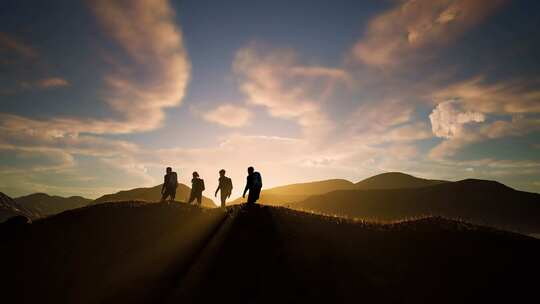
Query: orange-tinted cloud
[[275, 80], [416, 24], [12, 44], [147, 31], [505, 97], [229, 115], [52, 82]]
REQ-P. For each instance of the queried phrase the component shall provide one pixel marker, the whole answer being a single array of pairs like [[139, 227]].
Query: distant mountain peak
[[45, 204], [9, 208], [395, 180], [473, 182]]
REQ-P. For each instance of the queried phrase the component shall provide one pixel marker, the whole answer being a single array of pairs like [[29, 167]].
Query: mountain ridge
[[479, 201], [46, 204], [286, 194], [395, 180], [281, 195], [10, 208]]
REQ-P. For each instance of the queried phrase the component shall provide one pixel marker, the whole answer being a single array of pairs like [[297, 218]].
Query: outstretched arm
[[218, 187], [245, 190], [248, 185]]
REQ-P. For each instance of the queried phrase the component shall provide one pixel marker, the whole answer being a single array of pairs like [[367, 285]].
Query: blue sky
[[99, 96]]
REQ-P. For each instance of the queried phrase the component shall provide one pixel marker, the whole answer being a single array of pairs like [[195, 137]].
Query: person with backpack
[[197, 187], [225, 185], [254, 185], [170, 183]]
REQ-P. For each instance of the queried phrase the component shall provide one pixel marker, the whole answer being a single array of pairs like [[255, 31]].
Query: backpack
[[257, 180], [227, 185], [197, 185], [172, 180]]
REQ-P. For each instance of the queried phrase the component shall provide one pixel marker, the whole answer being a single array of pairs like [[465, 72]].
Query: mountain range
[[45, 205], [294, 193], [10, 208], [384, 197], [477, 201], [38, 205]]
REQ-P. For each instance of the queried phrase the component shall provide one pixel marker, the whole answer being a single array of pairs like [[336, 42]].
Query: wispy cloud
[[503, 97], [287, 89], [45, 83], [12, 44], [398, 34], [463, 113], [52, 82], [229, 115], [146, 30]]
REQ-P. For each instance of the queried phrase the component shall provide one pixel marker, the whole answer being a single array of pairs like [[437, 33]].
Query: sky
[[100, 96]]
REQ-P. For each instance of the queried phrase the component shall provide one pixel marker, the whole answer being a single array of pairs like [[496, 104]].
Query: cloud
[[45, 83], [504, 97], [146, 30], [275, 80], [409, 132], [417, 24], [448, 120], [385, 121], [463, 109], [27, 160], [229, 115], [377, 117], [14, 45], [52, 82]]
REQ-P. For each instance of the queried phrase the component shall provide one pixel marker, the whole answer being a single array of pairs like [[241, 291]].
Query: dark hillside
[[159, 253], [294, 257]]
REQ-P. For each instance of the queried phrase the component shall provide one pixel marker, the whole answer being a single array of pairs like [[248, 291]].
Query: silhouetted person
[[254, 185], [197, 187], [225, 185], [170, 183]]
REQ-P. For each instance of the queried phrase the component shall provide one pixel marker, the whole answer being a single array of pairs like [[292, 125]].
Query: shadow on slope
[[125, 252], [479, 201], [276, 255]]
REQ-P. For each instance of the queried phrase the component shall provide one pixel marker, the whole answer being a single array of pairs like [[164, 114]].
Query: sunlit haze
[[100, 96]]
